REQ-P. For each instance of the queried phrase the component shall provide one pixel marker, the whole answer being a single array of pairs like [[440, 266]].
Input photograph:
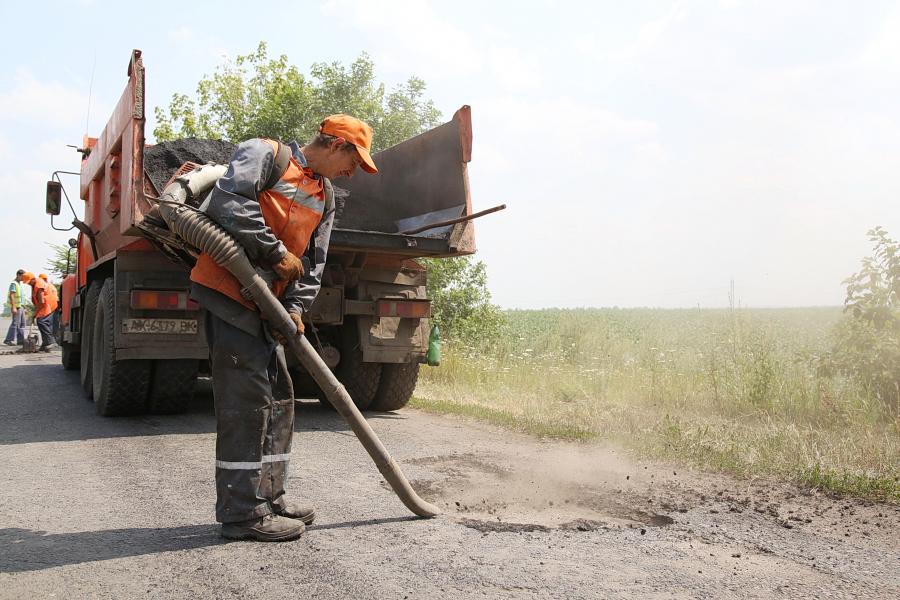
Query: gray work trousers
[[45, 326], [254, 400], [16, 332]]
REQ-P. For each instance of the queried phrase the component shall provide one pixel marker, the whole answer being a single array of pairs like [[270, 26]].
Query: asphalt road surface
[[123, 508]]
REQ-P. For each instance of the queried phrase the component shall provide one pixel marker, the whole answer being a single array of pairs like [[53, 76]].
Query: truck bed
[[422, 180]]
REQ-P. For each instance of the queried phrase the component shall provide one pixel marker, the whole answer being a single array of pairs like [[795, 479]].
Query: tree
[[62, 263], [258, 96], [867, 342], [461, 300], [873, 294]]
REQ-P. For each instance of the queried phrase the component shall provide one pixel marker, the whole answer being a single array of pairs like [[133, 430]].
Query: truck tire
[[360, 378], [120, 386], [396, 387], [172, 385], [88, 316], [70, 356]]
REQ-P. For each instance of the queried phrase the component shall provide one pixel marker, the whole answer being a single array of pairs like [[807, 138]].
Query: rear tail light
[[161, 300], [411, 309]]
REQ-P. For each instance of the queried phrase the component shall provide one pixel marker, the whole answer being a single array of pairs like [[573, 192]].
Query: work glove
[[298, 321], [289, 267]]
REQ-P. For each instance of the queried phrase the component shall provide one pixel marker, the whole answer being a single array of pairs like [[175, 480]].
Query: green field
[[729, 390]]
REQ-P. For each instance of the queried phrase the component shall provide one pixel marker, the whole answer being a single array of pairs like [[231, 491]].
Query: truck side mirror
[[54, 197]]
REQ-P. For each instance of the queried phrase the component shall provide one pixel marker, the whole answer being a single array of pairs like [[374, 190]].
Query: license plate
[[174, 326]]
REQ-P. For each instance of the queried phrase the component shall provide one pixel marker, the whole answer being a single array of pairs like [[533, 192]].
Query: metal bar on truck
[[359, 241], [453, 221]]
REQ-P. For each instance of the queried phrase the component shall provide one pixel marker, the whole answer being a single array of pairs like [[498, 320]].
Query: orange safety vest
[[292, 208], [50, 301], [51, 289]]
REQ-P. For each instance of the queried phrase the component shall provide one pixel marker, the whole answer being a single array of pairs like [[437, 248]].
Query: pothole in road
[[504, 527], [495, 526], [492, 498], [660, 520]]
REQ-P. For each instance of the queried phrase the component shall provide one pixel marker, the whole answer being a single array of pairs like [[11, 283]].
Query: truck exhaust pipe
[[198, 230]]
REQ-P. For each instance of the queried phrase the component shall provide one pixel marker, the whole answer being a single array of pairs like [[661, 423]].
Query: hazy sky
[[648, 152]]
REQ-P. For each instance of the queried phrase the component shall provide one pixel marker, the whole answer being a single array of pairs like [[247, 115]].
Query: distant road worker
[[45, 304], [52, 290], [276, 200], [16, 298]]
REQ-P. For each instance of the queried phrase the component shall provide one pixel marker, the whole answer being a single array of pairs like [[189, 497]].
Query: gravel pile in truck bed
[[162, 160]]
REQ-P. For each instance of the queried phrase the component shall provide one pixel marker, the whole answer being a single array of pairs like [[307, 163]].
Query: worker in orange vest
[[45, 304], [51, 289], [277, 201]]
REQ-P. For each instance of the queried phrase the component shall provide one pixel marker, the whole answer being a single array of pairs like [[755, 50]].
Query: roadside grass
[[735, 391]]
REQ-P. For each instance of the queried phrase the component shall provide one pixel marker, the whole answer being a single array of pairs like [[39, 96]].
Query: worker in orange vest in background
[[52, 290], [45, 304]]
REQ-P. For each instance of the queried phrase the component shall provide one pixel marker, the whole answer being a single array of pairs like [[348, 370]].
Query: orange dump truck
[[129, 324]]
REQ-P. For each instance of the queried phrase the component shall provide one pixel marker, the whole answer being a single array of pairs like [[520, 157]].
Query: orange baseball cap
[[43, 276], [28, 276], [354, 131]]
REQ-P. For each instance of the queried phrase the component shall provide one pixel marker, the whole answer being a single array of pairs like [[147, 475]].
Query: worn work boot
[[270, 528], [295, 510]]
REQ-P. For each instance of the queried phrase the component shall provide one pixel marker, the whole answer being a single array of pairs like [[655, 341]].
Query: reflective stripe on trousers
[[267, 458], [254, 421]]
